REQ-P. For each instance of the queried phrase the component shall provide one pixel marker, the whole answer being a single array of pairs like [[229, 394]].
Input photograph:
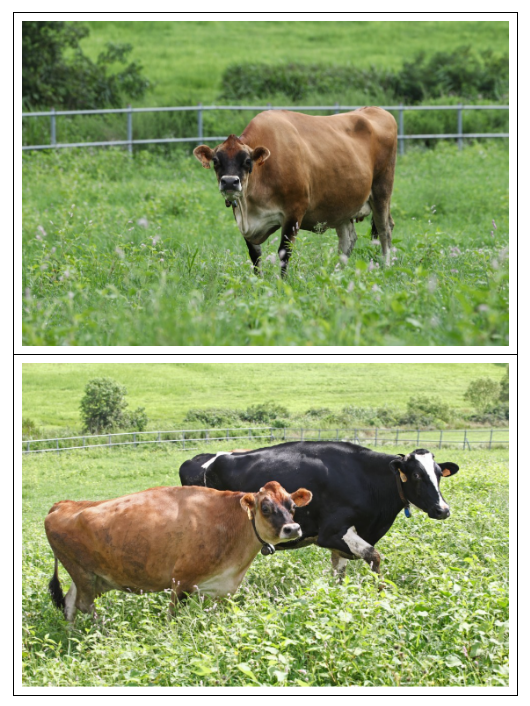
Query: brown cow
[[183, 539], [290, 171]]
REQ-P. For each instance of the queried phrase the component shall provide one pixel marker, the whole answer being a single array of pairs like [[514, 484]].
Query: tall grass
[[142, 251], [440, 620]]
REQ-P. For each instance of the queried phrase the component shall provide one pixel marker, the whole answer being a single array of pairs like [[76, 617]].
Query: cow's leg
[[347, 238], [255, 255], [380, 204], [338, 564], [347, 543], [69, 603], [290, 230]]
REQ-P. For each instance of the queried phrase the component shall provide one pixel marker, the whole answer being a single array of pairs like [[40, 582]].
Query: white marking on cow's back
[[355, 544], [427, 461], [219, 453], [69, 602]]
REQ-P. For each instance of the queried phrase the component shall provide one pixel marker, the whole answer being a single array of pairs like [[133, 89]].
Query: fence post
[[272, 436], [336, 108], [284, 433], [129, 128], [199, 121], [440, 442], [158, 437], [491, 437], [84, 440], [134, 440], [183, 440], [337, 435], [401, 129], [465, 439], [27, 446], [319, 434], [110, 442], [57, 445], [418, 437], [375, 440], [459, 113], [52, 126]]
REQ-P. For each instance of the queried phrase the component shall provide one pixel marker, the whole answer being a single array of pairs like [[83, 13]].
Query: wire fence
[[459, 135], [186, 438]]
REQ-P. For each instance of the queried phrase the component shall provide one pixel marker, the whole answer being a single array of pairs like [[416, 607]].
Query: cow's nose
[[442, 513], [230, 182], [289, 531]]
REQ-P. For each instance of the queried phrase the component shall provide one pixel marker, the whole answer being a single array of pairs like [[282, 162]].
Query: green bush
[[483, 393], [103, 408], [29, 428], [264, 413], [56, 72], [504, 395], [464, 72], [424, 411], [213, 417]]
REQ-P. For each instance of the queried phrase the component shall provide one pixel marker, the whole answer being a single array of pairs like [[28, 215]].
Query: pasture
[[52, 392], [185, 60], [142, 251], [441, 619]]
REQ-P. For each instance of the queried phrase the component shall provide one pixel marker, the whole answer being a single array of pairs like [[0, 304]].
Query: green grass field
[[142, 251], [185, 60], [441, 620], [51, 393]]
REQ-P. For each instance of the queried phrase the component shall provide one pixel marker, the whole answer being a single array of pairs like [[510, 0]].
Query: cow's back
[[326, 164]]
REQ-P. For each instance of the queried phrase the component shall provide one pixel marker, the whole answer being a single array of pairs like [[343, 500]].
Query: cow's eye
[[248, 163], [416, 476], [265, 509]]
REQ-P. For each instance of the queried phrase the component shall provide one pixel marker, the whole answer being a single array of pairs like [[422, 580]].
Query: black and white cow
[[357, 492]]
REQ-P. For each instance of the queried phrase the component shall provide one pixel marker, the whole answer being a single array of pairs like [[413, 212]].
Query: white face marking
[[427, 461], [355, 544], [220, 453], [69, 602]]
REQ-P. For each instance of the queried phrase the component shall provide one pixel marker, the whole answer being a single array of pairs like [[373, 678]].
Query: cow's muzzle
[[291, 531], [229, 185], [439, 513]]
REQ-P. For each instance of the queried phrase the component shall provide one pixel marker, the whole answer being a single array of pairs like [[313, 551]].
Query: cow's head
[[421, 475], [233, 162], [272, 509]]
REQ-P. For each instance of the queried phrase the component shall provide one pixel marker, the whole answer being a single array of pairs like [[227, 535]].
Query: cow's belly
[[256, 225], [225, 582]]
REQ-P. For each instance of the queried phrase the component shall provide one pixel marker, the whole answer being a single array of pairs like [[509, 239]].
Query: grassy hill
[[186, 60], [52, 392]]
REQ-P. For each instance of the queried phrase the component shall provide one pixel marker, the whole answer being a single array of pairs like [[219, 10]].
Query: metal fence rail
[[465, 438], [459, 135]]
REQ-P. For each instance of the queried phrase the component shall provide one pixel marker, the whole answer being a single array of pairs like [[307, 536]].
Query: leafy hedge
[[464, 73]]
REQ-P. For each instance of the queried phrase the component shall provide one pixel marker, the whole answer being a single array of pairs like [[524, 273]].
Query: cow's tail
[[54, 587], [373, 231]]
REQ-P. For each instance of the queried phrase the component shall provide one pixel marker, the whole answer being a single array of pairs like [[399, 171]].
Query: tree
[[505, 387], [483, 393], [55, 72], [103, 406]]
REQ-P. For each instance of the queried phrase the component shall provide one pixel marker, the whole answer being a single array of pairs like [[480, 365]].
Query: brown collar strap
[[267, 548]]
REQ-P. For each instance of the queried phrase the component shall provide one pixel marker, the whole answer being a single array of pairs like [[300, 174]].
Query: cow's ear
[[448, 469], [204, 154], [301, 497], [248, 503], [396, 467], [260, 155]]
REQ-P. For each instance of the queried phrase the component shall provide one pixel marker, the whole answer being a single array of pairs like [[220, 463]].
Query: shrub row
[[464, 72]]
